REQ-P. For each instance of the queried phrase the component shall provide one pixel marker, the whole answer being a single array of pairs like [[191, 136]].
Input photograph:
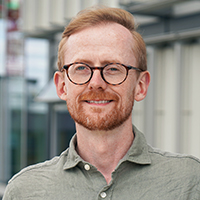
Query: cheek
[[128, 96], [125, 94], [71, 94], [131, 85], [73, 91]]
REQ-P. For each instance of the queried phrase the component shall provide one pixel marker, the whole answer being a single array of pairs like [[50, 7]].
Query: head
[[98, 15], [98, 37]]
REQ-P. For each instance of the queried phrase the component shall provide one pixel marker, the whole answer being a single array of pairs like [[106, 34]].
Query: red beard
[[95, 121]]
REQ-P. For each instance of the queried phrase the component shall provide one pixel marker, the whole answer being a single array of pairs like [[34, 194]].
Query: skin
[[97, 46]]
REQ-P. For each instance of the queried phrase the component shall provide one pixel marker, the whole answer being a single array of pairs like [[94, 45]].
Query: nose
[[97, 82]]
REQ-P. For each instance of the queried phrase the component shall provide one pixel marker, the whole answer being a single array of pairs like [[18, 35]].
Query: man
[[102, 71]]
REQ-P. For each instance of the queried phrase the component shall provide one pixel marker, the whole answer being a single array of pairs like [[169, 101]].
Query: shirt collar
[[72, 157], [138, 152]]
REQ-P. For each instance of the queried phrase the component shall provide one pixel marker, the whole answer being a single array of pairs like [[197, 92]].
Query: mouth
[[98, 101], [99, 98]]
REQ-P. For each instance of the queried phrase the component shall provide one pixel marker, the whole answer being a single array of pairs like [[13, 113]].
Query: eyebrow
[[89, 62]]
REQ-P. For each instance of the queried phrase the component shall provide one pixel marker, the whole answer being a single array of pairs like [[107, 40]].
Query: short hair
[[99, 15]]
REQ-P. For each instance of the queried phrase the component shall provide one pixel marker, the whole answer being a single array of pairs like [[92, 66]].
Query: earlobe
[[60, 85], [142, 86]]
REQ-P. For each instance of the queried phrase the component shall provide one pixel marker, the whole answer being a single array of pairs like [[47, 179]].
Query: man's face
[[98, 105]]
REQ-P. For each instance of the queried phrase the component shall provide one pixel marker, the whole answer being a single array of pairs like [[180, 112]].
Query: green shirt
[[144, 173]]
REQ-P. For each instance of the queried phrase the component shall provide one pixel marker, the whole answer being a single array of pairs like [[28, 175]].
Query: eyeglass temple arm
[[135, 68]]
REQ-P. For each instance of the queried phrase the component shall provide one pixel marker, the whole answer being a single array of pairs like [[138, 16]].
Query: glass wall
[[23, 121], [37, 65], [65, 128], [16, 110]]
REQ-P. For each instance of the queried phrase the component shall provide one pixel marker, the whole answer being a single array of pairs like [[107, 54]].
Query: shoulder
[[175, 163], [178, 171], [46, 166], [168, 155], [33, 177]]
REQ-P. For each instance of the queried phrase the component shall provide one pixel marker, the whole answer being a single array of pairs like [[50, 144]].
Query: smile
[[98, 102]]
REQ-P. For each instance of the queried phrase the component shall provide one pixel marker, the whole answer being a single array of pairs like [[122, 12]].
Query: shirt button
[[87, 167], [103, 195]]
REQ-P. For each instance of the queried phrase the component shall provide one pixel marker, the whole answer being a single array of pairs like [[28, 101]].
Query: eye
[[112, 69], [80, 67]]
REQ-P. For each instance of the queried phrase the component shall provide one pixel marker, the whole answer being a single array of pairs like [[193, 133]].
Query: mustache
[[98, 95]]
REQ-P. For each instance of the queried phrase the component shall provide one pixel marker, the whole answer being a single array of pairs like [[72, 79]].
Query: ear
[[142, 86], [59, 81]]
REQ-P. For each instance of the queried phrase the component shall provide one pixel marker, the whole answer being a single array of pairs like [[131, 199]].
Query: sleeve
[[7, 194], [10, 192]]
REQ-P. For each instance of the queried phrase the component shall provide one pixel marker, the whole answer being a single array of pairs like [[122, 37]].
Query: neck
[[104, 149]]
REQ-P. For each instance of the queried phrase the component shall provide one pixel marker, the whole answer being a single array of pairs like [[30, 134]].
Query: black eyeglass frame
[[128, 67]]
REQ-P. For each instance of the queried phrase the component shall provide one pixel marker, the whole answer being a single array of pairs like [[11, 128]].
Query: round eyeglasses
[[112, 73]]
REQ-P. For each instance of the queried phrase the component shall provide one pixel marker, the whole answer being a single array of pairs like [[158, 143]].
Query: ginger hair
[[98, 15]]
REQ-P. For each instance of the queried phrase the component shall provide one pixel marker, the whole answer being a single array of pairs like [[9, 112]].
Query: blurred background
[[35, 124]]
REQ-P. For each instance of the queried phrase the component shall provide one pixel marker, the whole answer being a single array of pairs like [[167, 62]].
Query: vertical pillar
[[149, 110]]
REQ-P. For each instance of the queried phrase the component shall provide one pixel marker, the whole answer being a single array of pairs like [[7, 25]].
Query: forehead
[[105, 41]]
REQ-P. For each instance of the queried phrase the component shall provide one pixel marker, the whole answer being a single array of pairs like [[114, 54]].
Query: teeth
[[98, 102]]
